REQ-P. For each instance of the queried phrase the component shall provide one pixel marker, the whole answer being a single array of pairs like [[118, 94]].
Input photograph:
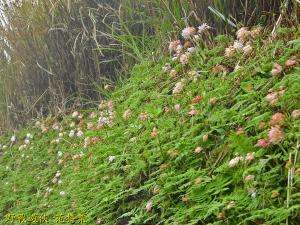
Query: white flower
[[233, 162], [72, 124], [4, 147], [60, 161], [72, 133], [188, 32], [13, 139], [62, 193], [75, 114], [27, 142], [191, 50], [59, 154], [22, 155], [60, 135], [57, 174], [29, 136], [247, 49], [81, 154], [178, 88], [204, 27], [103, 120], [49, 190], [111, 158], [59, 182], [238, 46], [149, 206], [79, 133]]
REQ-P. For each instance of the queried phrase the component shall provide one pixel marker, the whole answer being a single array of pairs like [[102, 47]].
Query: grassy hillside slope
[[199, 147]]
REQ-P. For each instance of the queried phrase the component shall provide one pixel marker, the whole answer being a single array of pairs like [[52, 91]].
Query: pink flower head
[[149, 206], [173, 45], [272, 98], [193, 111], [184, 59], [290, 63], [276, 135], [178, 88], [188, 32], [250, 156], [177, 107], [277, 70], [243, 33], [296, 114], [277, 119], [204, 27], [249, 178], [127, 114], [263, 143]]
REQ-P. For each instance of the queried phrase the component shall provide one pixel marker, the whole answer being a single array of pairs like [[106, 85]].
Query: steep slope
[[206, 145]]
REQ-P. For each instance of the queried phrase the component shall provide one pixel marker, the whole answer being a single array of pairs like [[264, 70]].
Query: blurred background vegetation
[[56, 55]]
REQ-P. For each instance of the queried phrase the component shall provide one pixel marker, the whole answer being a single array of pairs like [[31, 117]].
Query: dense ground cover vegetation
[[207, 135], [60, 54]]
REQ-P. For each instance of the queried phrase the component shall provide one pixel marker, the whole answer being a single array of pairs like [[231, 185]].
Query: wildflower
[[204, 27], [277, 119], [29, 136], [252, 192], [230, 205], [193, 111], [272, 98], [191, 50], [93, 115], [178, 88], [61, 135], [198, 181], [213, 101], [173, 73], [111, 158], [238, 46], [221, 216], [276, 135], [173, 152], [262, 125], [59, 154], [205, 138], [198, 150], [196, 37], [290, 63], [143, 116], [72, 133], [249, 178], [149, 206], [277, 70], [230, 51], [185, 199], [179, 49], [75, 114], [49, 190], [54, 180], [99, 221], [79, 133], [166, 68], [263, 143], [187, 44], [256, 32], [175, 58], [234, 162], [173, 45], [219, 68], [13, 139], [196, 99], [240, 131], [127, 114], [250, 156], [184, 58], [154, 133], [27, 142], [177, 107], [243, 33], [62, 193], [188, 32], [247, 49], [57, 174], [72, 124], [296, 114], [103, 120], [156, 190]]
